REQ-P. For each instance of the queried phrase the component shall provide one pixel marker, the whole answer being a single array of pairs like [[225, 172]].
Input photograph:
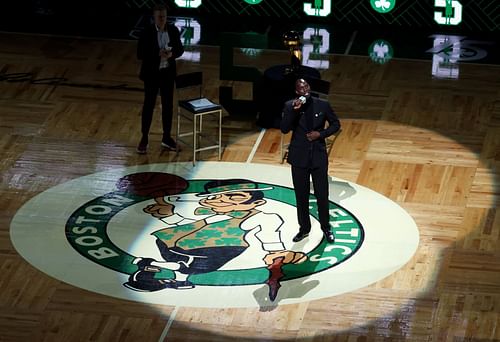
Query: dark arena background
[[408, 26], [463, 16]]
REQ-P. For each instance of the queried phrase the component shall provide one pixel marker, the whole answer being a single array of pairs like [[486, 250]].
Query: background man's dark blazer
[[149, 52], [302, 152]]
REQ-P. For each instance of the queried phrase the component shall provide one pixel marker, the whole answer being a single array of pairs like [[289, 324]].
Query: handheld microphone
[[302, 99]]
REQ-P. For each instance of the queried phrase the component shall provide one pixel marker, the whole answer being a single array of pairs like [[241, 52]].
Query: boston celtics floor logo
[[162, 234], [193, 249]]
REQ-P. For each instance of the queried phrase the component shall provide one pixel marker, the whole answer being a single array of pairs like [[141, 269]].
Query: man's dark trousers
[[164, 83], [300, 178]]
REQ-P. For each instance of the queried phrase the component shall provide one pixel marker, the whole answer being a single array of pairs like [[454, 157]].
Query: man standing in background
[[158, 47]]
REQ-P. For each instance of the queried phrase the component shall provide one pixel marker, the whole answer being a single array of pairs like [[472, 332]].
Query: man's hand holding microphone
[[298, 102]]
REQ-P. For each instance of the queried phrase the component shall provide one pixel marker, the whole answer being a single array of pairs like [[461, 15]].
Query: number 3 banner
[[452, 12]]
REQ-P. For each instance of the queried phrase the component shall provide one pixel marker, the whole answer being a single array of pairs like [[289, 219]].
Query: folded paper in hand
[[201, 103]]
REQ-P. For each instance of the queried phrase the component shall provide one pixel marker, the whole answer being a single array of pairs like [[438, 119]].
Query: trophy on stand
[[292, 41]]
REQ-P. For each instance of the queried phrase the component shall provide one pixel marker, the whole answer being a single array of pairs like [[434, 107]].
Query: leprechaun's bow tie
[[208, 211], [204, 211]]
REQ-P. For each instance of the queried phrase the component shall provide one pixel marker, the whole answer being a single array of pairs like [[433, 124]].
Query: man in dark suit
[[306, 116], [158, 47]]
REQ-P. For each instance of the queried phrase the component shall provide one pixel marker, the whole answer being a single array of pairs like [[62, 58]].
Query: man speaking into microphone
[[307, 116]]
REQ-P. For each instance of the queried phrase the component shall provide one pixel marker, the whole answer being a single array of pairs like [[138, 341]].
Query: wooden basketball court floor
[[431, 145]]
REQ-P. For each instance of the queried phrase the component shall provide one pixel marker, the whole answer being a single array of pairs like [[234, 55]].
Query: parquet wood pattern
[[431, 145]]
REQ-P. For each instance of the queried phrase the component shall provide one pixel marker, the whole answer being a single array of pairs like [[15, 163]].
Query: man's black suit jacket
[[302, 152], [148, 51]]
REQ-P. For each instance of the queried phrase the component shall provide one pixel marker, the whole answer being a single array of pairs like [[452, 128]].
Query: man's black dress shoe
[[330, 238], [300, 235]]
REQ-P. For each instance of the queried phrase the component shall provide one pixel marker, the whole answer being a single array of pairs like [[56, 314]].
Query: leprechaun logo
[[162, 234], [194, 248]]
